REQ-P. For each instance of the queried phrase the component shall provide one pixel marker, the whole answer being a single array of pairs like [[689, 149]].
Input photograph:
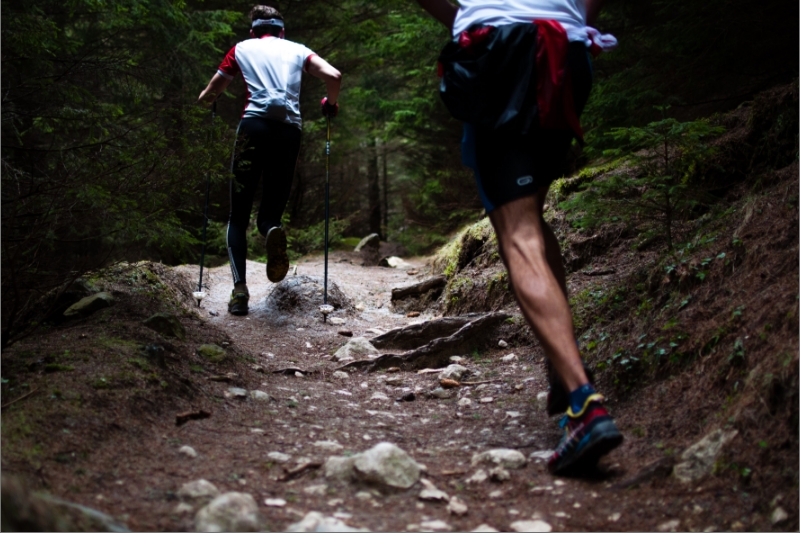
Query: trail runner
[[518, 74], [268, 135]]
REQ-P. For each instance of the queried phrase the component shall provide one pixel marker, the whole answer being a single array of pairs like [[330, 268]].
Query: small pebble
[[188, 451], [275, 502], [502, 344]]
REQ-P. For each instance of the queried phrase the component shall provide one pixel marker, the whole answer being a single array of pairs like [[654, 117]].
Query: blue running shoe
[[588, 435]]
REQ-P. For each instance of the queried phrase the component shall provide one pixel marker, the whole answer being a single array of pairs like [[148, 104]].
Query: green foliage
[[660, 187]]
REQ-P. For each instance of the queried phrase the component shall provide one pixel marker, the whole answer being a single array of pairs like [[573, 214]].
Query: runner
[[520, 87], [268, 136]]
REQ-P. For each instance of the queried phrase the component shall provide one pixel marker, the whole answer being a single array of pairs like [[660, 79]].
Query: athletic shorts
[[509, 166]]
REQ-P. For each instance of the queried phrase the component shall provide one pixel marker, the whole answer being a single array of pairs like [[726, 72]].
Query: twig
[[480, 382], [19, 399], [296, 471]]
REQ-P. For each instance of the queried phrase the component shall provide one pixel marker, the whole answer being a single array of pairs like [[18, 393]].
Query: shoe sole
[[604, 438], [277, 258]]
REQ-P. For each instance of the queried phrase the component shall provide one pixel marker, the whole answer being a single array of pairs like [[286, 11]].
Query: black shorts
[[509, 166]]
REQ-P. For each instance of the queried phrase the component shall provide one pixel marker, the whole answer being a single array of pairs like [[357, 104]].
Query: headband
[[267, 22]]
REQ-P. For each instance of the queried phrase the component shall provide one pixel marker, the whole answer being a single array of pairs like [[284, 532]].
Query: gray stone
[[485, 528], [386, 464], [260, 395], [373, 240], [698, 460], [669, 525], [183, 508], [339, 468], [431, 493], [531, 525], [340, 375], [197, 491], [316, 490], [455, 372], [502, 344], [275, 502], [511, 459], [395, 262], [212, 352], [315, 521], [301, 295], [232, 511], [499, 474], [379, 396], [464, 402], [510, 358], [236, 392], [167, 325], [394, 381], [355, 348], [778, 516], [90, 304], [279, 457], [188, 451], [441, 393], [328, 446], [457, 506], [478, 477]]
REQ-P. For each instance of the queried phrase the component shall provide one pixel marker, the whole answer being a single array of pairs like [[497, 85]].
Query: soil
[[113, 445]]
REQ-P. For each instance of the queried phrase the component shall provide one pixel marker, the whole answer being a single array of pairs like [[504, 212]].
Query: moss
[[212, 352], [466, 244]]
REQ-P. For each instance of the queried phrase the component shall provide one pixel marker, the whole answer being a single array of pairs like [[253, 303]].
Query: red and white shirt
[[272, 69]]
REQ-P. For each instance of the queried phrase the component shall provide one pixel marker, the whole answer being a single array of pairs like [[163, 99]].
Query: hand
[[329, 110]]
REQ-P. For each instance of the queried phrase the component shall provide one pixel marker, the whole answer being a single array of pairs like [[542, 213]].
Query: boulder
[[339, 468], [388, 465], [90, 304], [315, 521], [511, 459], [199, 490], [302, 295], [699, 458], [356, 348], [454, 372], [394, 262], [167, 325], [212, 352], [232, 511]]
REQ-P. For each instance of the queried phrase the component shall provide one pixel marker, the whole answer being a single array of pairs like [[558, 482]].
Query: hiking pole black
[[325, 308], [199, 294]]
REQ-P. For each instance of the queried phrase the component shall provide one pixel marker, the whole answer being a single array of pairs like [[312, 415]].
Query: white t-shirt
[[272, 69], [570, 13]]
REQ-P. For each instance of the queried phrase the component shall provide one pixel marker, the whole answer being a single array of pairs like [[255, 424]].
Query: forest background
[[106, 156]]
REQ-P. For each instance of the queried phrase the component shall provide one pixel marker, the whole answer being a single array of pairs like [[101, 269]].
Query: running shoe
[[277, 258], [588, 435], [238, 303]]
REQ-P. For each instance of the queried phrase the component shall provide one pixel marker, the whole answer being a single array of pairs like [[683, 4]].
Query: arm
[[216, 87], [441, 10], [593, 8], [319, 68]]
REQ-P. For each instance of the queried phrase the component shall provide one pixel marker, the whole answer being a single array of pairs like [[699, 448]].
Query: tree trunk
[[385, 194], [373, 190]]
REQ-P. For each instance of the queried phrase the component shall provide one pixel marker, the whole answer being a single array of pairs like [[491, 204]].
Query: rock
[[457, 506], [509, 358], [499, 474], [232, 511], [394, 381], [197, 491], [541, 401], [778, 516], [379, 397], [345, 333], [339, 468], [278, 457], [302, 295], [316, 490], [495, 494], [394, 262], [431, 493], [188, 451], [699, 458], [670, 525], [531, 525], [435, 525], [485, 528], [502, 344], [510, 459], [542, 455], [315, 521], [236, 392], [183, 508], [212, 352], [260, 395], [407, 397], [90, 304], [457, 359], [360, 306], [454, 372], [440, 393], [371, 240], [355, 348], [340, 375], [464, 402], [328, 446], [386, 464], [614, 517], [275, 502], [478, 477], [167, 325], [487, 399], [336, 321]]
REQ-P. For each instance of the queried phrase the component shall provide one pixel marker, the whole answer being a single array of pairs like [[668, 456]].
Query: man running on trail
[[518, 74], [269, 135]]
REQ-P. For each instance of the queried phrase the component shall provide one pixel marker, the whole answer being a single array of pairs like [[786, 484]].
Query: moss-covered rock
[[90, 304], [212, 352], [166, 324]]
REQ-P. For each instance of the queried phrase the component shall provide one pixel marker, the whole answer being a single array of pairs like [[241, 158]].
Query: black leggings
[[269, 150]]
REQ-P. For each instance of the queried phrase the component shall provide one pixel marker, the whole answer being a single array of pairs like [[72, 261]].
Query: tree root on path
[[436, 352]]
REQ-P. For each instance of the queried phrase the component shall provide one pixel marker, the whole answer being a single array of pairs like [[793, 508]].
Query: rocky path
[[473, 456]]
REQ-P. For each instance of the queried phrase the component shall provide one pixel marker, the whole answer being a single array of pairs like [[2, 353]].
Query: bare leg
[[532, 256]]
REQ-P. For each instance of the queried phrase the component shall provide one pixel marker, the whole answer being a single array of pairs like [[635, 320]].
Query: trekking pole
[[199, 294], [325, 308]]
